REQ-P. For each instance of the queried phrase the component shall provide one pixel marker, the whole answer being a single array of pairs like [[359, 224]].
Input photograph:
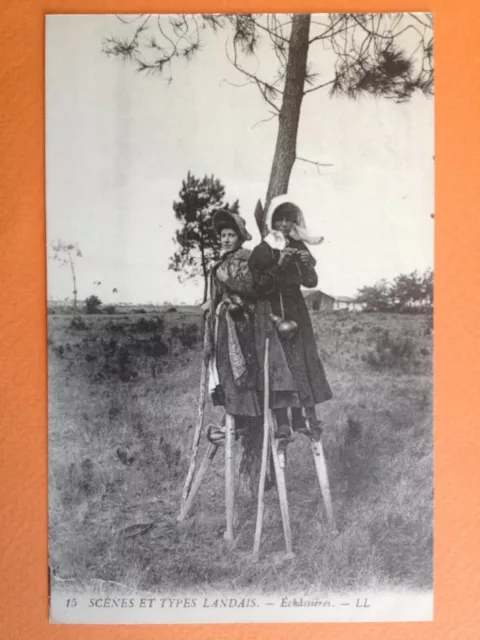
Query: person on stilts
[[230, 366], [230, 342], [280, 265]]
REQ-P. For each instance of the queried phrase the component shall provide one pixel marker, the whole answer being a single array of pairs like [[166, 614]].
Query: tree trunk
[[205, 286], [74, 284], [286, 146], [283, 161], [204, 265]]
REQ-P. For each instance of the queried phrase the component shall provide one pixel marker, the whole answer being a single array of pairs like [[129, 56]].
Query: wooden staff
[[206, 462], [229, 474], [198, 429], [263, 469]]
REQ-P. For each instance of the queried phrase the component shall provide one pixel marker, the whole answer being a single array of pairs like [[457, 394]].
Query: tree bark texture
[[289, 116]]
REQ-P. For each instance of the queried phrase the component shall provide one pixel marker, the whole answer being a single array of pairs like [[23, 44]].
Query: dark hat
[[224, 218]]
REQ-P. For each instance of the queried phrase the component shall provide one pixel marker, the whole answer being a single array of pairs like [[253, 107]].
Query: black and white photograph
[[240, 259]]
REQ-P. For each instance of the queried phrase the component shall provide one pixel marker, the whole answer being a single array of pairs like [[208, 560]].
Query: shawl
[[233, 271], [277, 240]]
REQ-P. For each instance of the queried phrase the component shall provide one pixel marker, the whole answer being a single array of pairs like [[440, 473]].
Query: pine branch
[[267, 91], [320, 86], [428, 24], [316, 164], [273, 33], [269, 119]]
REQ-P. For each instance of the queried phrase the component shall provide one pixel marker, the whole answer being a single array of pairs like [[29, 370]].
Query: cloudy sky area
[[119, 144]]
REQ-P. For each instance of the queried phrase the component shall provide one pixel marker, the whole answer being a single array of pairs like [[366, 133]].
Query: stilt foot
[[282, 445], [228, 538]]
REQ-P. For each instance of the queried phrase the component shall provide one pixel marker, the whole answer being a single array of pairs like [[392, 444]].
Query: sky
[[119, 143]]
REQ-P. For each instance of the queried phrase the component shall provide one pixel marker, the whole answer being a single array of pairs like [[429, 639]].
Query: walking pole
[[321, 468], [206, 462], [263, 469], [229, 474], [198, 429]]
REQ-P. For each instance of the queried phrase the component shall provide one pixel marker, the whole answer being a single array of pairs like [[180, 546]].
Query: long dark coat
[[297, 375]]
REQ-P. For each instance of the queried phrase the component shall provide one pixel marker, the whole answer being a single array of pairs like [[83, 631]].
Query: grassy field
[[122, 403]]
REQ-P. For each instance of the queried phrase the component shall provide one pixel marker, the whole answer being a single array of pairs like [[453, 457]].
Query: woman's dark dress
[[297, 376], [238, 395]]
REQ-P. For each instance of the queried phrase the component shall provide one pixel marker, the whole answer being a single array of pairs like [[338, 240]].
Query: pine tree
[[384, 55], [198, 246]]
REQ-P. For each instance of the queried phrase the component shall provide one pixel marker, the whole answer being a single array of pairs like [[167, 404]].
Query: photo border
[[23, 341]]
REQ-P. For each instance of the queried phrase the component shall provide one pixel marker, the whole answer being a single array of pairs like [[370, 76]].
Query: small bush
[[147, 325], [158, 347], [113, 360], [59, 350], [188, 334], [391, 352], [93, 304], [120, 357], [78, 323], [110, 309], [115, 327]]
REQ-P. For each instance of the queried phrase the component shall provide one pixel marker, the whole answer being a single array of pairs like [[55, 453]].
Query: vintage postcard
[[240, 222]]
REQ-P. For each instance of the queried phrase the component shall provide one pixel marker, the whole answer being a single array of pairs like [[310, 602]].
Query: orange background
[[23, 450]]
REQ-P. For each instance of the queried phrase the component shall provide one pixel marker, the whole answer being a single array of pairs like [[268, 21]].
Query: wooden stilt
[[321, 468], [263, 469], [282, 491], [205, 465], [196, 437], [229, 475]]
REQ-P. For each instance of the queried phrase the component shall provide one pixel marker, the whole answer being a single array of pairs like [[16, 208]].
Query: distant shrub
[[113, 359], [59, 350], [146, 325], [139, 311], [117, 356], [115, 327], [188, 334], [391, 352], [78, 323], [158, 347], [110, 309], [407, 293], [93, 304], [171, 310], [51, 311]]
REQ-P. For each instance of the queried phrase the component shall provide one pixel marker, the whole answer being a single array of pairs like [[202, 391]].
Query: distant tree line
[[407, 293]]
